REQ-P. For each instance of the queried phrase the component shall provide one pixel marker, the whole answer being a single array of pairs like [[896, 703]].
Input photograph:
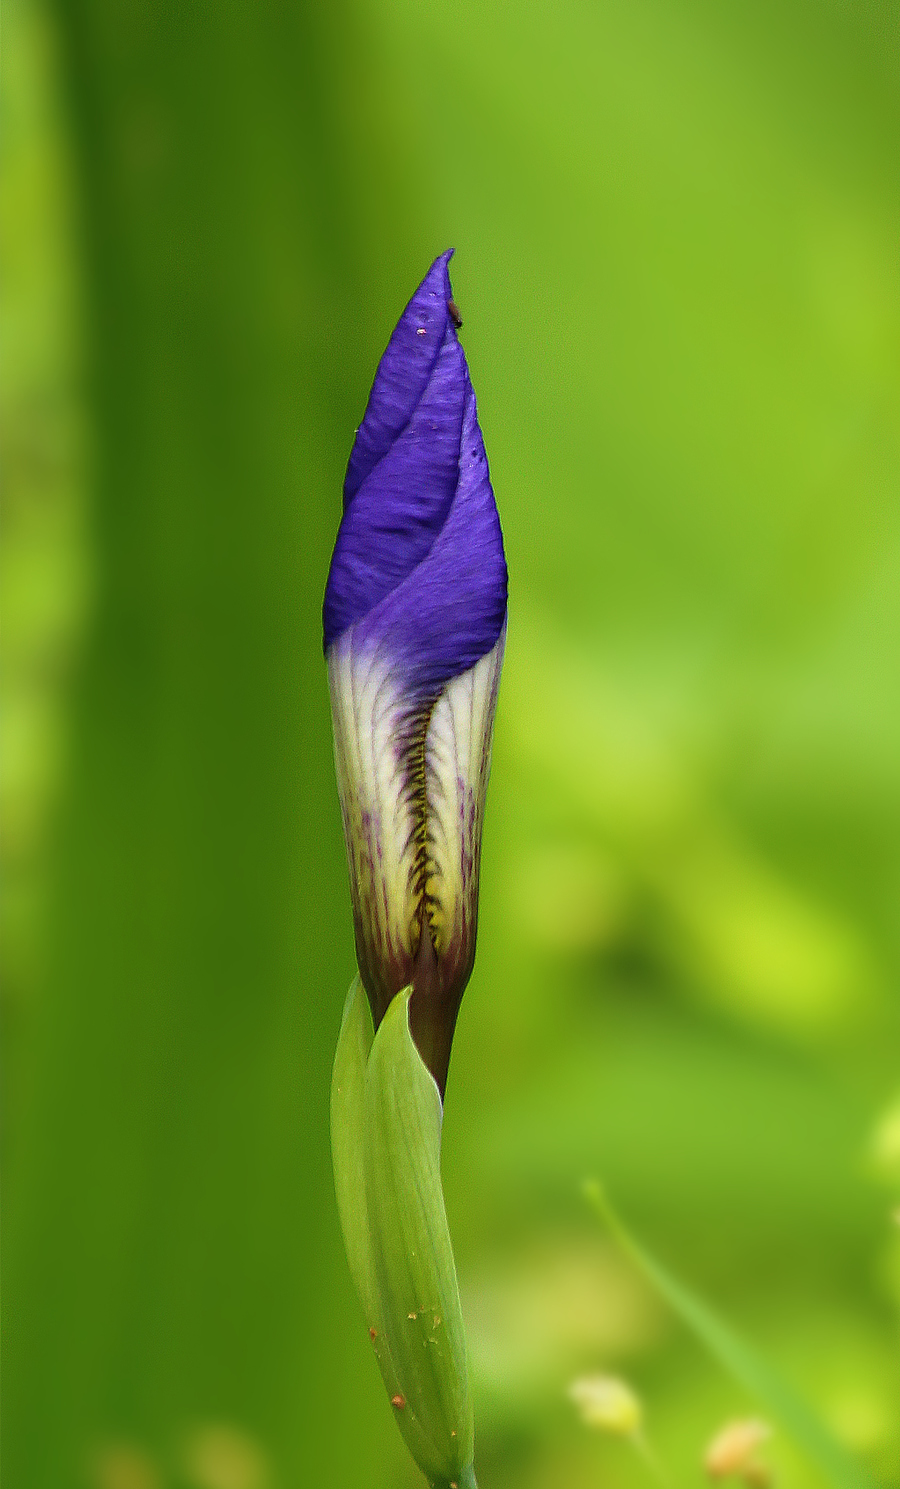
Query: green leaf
[[347, 1128], [754, 1373], [348, 1150], [386, 1140]]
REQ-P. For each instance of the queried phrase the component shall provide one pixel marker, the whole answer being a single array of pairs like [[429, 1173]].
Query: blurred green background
[[676, 229]]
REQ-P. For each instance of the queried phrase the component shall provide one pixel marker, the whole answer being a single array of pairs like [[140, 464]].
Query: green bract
[[386, 1142]]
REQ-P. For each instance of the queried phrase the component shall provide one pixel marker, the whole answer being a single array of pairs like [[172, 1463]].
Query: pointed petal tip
[[403, 372], [437, 281]]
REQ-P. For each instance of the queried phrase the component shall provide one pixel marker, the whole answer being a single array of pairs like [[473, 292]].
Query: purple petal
[[403, 374], [418, 565], [449, 611]]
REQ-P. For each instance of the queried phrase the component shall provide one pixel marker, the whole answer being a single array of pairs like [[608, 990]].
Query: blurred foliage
[[676, 228]]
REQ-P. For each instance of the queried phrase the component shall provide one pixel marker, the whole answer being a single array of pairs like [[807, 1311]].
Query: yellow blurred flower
[[607, 1403], [733, 1453]]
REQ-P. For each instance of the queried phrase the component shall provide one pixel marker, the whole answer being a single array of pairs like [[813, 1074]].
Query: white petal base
[[412, 785]]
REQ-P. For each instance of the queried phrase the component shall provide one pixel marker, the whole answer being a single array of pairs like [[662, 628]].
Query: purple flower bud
[[415, 622]]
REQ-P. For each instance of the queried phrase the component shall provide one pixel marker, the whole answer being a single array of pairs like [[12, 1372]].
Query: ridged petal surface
[[419, 561]]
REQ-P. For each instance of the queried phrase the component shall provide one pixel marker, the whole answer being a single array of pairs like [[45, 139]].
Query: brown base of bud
[[433, 1010]]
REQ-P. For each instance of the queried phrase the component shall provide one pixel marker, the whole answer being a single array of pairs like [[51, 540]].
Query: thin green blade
[[754, 1373]]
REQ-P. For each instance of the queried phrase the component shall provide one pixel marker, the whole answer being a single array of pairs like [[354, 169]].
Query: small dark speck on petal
[[454, 314]]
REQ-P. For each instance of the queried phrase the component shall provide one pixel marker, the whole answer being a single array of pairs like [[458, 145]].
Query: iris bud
[[414, 628]]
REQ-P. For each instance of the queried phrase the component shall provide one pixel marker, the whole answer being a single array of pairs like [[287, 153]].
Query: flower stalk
[[414, 630]]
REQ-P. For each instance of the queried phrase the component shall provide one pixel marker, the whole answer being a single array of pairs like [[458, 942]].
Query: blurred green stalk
[[171, 1241]]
